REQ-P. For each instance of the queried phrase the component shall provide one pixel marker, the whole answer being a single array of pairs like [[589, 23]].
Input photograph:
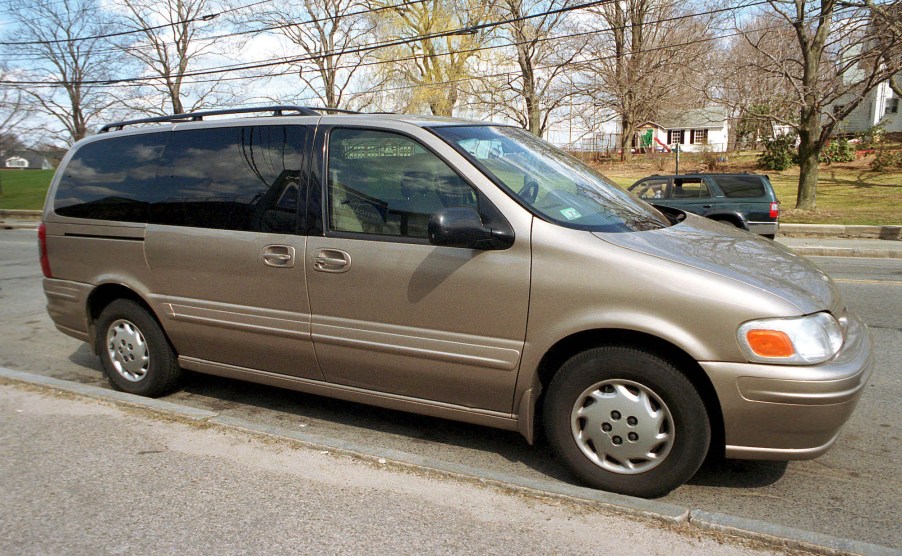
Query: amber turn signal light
[[770, 343]]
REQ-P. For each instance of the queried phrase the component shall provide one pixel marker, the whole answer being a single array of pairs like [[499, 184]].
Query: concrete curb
[[18, 224], [888, 232], [772, 534], [814, 251], [785, 536], [97, 393]]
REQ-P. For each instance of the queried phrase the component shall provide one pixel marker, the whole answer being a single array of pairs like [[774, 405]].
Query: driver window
[[651, 189], [388, 184]]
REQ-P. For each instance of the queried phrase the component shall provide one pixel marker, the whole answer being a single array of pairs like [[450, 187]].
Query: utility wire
[[205, 17], [395, 42], [223, 35], [498, 74], [365, 48]]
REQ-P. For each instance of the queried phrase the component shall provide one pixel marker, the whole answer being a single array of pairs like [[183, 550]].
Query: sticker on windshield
[[570, 213]]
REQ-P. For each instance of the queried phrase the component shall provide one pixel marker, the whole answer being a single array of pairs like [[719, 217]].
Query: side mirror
[[462, 227]]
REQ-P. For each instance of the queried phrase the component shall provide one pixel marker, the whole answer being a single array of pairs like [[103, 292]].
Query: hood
[[762, 263]]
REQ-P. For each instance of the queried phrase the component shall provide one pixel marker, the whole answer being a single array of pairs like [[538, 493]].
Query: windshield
[[550, 182]]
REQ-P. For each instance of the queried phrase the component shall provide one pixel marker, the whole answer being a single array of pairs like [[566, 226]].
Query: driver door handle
[[332, 260]]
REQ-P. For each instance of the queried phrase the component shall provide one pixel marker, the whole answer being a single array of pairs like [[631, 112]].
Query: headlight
[[808, 340]]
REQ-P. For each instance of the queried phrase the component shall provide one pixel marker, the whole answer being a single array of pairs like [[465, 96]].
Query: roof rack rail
[[277, 110]]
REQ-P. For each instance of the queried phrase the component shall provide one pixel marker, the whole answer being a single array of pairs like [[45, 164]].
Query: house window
[[892, 106], [674, 136], [698, 137], [16, 162], [837, 108]]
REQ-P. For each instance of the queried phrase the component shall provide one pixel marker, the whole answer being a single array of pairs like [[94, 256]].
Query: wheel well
[[570, 346], [105, 294]]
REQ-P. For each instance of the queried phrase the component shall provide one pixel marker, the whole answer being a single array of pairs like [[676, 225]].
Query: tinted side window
[[388, 184], [111, 179], [741, 186], [231, 178]]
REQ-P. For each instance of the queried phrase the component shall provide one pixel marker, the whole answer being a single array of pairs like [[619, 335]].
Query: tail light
[[42, 246], [774, 210]]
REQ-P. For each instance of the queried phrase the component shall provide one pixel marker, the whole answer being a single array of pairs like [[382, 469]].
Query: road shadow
[[729, 473], [425, 436], [428, 436]]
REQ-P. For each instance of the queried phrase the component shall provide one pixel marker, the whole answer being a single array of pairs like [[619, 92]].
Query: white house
[[693, 130], [16, 162], [880, 107], [26, 161]]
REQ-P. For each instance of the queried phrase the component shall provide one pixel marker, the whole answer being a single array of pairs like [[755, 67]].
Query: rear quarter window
[[111, 179], [742, 186]]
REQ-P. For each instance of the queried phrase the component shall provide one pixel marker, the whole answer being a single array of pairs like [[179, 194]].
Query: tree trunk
[[808, 170], [626, 135], [810, 144]]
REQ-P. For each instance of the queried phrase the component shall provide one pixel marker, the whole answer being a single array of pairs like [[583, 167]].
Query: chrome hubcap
[[622, 426], [128, 350]]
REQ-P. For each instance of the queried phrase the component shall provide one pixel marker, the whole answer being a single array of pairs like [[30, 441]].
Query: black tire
[[769, 236], [142, 360], [613, 374]]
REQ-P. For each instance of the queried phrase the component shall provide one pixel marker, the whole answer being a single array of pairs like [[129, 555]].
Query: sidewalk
[[491, 510], [81, 476], [843, 247]]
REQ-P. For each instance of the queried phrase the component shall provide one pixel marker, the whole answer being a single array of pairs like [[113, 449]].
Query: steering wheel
[[529, 192]]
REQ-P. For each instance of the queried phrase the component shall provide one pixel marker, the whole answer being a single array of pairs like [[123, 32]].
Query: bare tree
[[13, 111], [327, 32], [824, 57], [439, 40], [645, 60], [540, 83], [167, 48], [54, 52], [757, 101]]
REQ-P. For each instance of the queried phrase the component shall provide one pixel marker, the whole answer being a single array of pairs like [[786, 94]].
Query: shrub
[[779, 152], [884, 160], [711, 159], [839, 150], [870, 138]]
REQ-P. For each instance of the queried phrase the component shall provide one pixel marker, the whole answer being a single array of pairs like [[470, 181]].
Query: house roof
[[696, 118]]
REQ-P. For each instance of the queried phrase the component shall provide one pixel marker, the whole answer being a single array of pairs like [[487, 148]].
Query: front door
[[393, 313]]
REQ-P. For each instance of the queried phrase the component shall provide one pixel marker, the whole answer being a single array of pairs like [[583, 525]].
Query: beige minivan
[[452, 268]]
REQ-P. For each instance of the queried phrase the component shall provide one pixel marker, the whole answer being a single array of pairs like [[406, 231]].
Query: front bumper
[[778, 412]]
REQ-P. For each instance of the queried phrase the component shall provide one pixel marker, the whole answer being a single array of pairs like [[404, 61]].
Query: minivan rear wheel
[[136, 355], [626, 421]]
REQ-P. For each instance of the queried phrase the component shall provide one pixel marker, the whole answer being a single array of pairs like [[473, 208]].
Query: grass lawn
[[846, 193], [24, 189]]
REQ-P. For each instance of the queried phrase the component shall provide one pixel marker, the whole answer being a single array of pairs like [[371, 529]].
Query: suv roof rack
[[277, 110]]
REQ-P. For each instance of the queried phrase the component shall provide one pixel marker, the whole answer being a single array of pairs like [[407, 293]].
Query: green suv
[[746, 201]]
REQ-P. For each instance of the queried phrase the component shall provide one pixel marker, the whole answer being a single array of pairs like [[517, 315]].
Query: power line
[[223, 35], [366, 48], [395, 42], [205, 17], [512, 73]]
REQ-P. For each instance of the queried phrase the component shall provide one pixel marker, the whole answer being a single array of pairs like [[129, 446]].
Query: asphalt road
[[853, 491]]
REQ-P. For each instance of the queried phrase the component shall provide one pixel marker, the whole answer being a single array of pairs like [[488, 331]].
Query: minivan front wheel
[[136, 355], [627, 421]]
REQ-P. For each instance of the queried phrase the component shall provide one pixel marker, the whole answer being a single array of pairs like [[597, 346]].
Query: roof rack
[[278, 110]]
